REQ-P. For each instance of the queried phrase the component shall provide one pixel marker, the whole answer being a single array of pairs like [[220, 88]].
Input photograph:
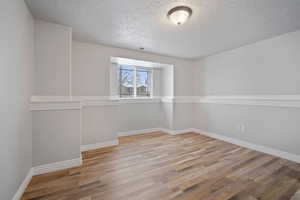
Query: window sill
[[140, 100]]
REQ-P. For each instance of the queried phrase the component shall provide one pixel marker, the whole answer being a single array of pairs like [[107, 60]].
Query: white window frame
[[134, 82]]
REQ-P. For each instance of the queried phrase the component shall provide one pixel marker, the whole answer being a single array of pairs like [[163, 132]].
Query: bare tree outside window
[[143, 83], [134, 82], [126, 82]]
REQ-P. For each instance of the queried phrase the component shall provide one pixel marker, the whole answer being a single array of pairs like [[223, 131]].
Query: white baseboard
[[176, 132], [42, 169], [99, 145], [52, 167], [137, 132], [18, 195], [256, 147], [249, 145]]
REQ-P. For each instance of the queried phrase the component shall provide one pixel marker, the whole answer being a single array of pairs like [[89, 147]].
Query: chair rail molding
[[39, 103], [253, 100]]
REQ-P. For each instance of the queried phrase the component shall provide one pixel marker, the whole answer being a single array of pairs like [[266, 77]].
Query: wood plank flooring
[[160, 166]]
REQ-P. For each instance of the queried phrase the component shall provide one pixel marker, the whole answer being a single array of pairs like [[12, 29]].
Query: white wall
[[56, 132], [269, 67], [183, 116], [274, 127], [167, 81], [53, 58], [56, 136], [16, 75], [100, 124], [263, 68], [89, 75], [91, 67], [138, 116]]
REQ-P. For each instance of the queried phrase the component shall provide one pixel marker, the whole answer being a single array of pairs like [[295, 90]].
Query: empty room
[[150, 99]]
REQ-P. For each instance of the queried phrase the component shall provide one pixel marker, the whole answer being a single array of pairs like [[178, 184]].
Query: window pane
[[143, 82], [126, 81]]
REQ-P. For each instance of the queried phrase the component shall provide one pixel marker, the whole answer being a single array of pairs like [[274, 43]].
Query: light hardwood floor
[[160, 166]]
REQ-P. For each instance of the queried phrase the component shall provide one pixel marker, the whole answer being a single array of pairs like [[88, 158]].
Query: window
[[135, 82]]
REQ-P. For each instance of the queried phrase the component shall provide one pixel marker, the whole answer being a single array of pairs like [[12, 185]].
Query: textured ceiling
[[216, 25]]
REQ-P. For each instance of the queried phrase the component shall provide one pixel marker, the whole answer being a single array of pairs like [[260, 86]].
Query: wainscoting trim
[[99, 103], [18, 195], [176, 132], [254, 100], [168, 99], [144, 131], [249, 145], [247, 100], [99, 145], [77, 102], [51, 167], [43, 106], [42, 103], [140, 100], [137, 132]]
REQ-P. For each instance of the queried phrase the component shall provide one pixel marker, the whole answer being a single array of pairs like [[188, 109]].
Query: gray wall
[[138, 116], [56, 136], [16, 75], [99, 124], [56, 133], [273, 127], [91, 67], [183, 116], [52, 59], [269, 67]]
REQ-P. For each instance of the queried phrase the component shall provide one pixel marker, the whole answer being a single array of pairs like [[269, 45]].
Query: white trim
[[256, 147], [255, 97], [176, 132], [134, 82], [55, 106], [99, 145], [51, 167], [43, 99], [94, 98], [18, 195], [150, 130], [136, 62], [88, 101], [137, 132], [69, 53], [152, 82], [186, 99], [99, 103], [38, 99], [167, 99], [140, 100], [254, 100], [75, 102], [249, 100]]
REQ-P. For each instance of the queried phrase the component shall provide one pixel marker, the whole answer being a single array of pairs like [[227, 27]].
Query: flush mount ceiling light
[[180, 14]]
